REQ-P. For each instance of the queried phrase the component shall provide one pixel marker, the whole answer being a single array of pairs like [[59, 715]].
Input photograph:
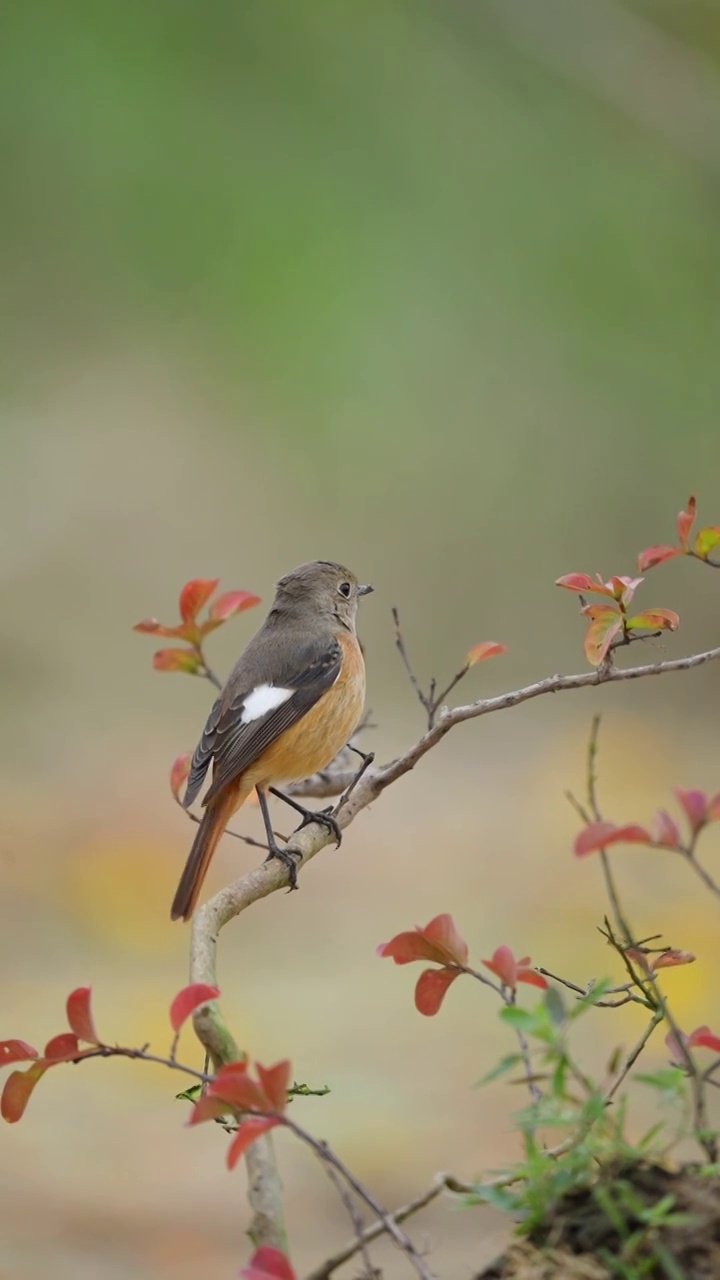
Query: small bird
[[290, 703]]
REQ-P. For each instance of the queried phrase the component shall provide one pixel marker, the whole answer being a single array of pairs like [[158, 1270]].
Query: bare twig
[[443, 1182], [369, 1271], [328, 1157], [632, 1057]]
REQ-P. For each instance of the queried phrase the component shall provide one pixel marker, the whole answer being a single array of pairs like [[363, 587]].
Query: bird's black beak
[[364, 589]]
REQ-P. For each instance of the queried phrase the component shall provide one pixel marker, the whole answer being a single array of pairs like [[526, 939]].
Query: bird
[[291, 702]]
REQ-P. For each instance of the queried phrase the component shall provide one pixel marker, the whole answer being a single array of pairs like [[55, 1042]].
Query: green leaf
[[555, 1006], [598, 990], [668, 1080], [190, 1094], [501, 1068], [705, 541], [521, 1019], [499, 1197]]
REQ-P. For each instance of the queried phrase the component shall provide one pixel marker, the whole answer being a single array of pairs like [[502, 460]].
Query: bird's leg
[[275, 851], [323, 816]]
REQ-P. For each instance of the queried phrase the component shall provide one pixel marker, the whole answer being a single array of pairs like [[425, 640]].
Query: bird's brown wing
[[233, 745]]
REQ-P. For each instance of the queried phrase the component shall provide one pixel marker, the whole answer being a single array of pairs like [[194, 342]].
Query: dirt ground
[[581, 1242]]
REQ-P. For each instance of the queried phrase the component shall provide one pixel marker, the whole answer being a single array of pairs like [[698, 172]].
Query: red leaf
[[431, 987], [703, 1038], [605, 624], [187, 660], [713, 808], [597, 835], [503, 964], [583, 582], [248, 1131], [62, 1048], [669, 959], [16, 1051], [179, 772], [664, 830], [274, 1082], [526, 974], [151, 627], [194, 595], [651, 556], [654, 620], [208, 1108], [624, 588], [189, 999], [18, 1088], [240, 1091], [438, 941], [706, 541], [685, 522], [268, 1263], [486, 649], [80, 1017], [230, 603], [695, 804]]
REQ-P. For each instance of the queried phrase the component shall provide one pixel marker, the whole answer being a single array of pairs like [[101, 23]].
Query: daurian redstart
[[290, 703]]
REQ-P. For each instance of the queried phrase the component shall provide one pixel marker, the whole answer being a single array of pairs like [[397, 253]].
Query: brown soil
[[578, 1242]]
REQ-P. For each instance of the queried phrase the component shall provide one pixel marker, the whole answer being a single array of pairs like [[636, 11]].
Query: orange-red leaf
[[503, 964], [189, 999], [530, 975], [249, 1130], [16, 1051], [187, 660], [62, 1048], [438, 941], [605, 624], [194, 595], [151, 627], [431, 987], [230, 603], [18, 1088], [268, 1263], [598, 835], [651, 556], [486, 649], [685, 522], [664, 830], [79, 1015], [208, 1107], [669, 959], [274, 1082], [179, 772], [695, 805], [583, 582], [706, 541], [703, 1038], [654, 620]]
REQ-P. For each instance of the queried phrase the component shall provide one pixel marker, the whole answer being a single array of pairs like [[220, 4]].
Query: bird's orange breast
[[311, 744]]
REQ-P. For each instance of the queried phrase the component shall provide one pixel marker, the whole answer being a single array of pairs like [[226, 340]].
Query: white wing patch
[[264, 698]]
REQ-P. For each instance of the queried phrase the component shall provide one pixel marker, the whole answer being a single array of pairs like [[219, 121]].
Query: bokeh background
[[430, 289]]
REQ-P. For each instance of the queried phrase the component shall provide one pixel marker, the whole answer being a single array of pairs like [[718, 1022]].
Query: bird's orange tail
[[211, 827]]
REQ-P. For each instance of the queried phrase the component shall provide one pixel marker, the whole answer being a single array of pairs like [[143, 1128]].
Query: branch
[[443, 1182], [210, 1027]]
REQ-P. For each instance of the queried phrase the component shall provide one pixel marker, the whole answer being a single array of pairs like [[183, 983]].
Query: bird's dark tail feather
[[208, 835]]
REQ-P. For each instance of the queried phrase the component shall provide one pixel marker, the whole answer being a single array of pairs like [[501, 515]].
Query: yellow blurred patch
[[121, 887]]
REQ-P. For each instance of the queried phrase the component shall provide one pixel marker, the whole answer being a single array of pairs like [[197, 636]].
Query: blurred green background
[[430, 289]]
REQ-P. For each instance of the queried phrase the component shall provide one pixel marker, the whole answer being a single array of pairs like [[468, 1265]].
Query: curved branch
[[265, 1191]]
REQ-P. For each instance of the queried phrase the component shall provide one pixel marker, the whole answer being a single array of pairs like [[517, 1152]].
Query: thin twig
[[443, 1182], [632, 1057], [369, 1271], [700, 871], [425, 701], [327, 1156]]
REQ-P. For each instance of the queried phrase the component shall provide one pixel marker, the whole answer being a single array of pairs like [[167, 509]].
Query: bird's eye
[[344, 589]]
